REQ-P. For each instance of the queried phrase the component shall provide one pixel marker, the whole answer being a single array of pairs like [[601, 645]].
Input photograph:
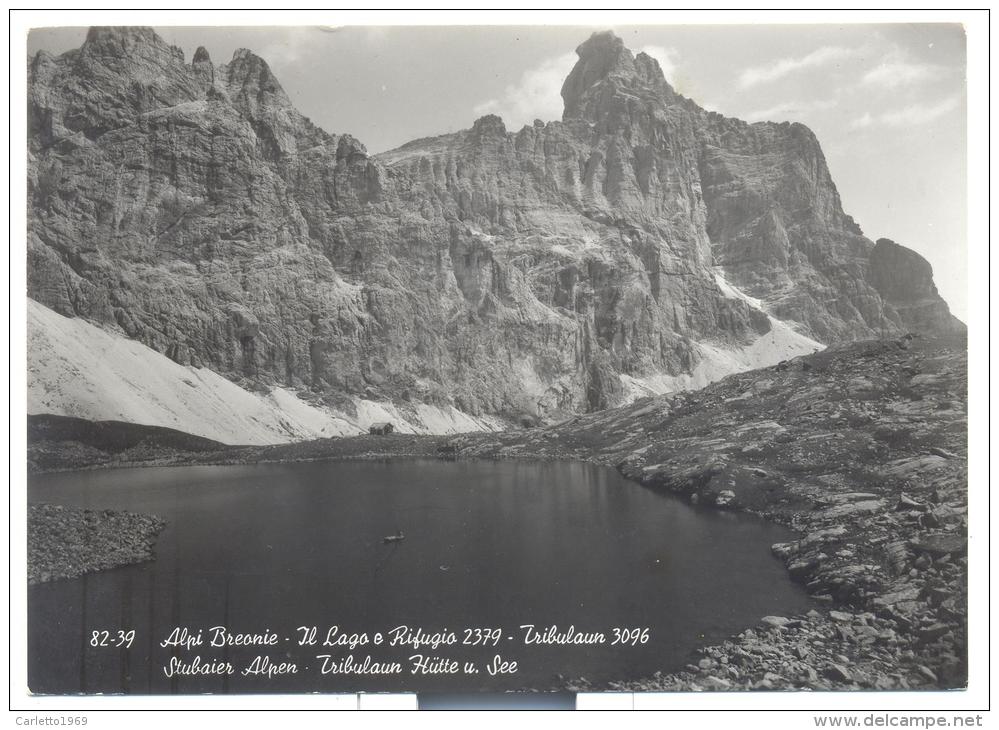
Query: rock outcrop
[[66, 543], [904, 279], [532, 273]]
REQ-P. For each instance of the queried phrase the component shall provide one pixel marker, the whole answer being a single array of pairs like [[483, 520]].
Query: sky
[[887, 102]]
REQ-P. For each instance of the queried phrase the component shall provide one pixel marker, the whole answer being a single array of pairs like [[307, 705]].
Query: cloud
[[782, 67], [789, 110], [667, 58], [861, 122], [290, 47], [536, 96], [913, 115], [894, 73]]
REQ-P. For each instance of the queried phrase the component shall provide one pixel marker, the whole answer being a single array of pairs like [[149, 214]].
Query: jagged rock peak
[[122, 35], [650, 71], [606, 70], [347, 146], [124, 43], [203, 67], [249, 77], [201, 56], [40, 59], [245, 55], [489, 126]]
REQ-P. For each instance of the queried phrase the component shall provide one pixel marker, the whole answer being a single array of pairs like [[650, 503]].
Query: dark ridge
[[112, 437]]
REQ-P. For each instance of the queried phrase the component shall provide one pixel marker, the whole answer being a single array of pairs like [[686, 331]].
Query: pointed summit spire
[[607, 79], [202, 65], [201, 56], [252, 85], [599, 57]]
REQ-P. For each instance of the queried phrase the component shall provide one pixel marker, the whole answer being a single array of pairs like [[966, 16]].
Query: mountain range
[[202, 256]]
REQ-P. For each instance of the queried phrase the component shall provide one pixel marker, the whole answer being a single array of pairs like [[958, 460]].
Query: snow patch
[[731, 292], [782, 342]]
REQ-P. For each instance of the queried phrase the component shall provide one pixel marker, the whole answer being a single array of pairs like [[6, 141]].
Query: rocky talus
[[66, 543], [529, 274], [863, 450]]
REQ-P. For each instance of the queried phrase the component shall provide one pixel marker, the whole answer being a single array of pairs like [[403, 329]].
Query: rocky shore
[[862, 449], [66, 543]]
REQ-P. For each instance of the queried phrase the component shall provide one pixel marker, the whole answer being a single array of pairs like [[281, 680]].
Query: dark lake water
[[488, 545]]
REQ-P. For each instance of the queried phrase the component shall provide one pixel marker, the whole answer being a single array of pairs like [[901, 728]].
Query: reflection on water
[[487, 544]]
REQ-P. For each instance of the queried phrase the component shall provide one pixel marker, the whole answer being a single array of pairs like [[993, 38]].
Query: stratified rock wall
[[905, 280], [526, 273]]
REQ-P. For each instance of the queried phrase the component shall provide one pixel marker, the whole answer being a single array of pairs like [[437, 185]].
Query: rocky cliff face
[[904, 279], [638, 245]]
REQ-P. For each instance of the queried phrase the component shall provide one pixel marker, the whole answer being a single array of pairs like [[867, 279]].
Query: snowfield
[[78, 369]]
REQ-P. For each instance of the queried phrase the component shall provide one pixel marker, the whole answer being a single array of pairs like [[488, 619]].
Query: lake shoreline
[[860, 449]]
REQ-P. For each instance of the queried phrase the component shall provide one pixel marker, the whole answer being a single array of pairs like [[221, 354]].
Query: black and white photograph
[[552, 359]]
